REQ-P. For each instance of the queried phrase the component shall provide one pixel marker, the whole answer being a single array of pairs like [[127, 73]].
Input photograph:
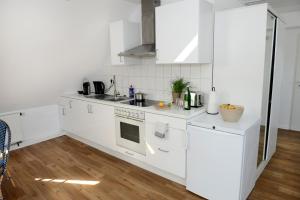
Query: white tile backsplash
[[155, 80]]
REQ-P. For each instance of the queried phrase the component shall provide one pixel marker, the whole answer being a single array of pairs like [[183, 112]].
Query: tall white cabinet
[[184, 32], [248, 64]]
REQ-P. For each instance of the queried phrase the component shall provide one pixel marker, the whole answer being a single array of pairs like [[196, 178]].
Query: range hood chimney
[[147, 49]]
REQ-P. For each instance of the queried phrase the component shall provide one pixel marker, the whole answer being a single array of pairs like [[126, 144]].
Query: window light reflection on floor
[[77, 182]]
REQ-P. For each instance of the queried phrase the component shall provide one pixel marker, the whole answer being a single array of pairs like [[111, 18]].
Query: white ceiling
[[280, 5]]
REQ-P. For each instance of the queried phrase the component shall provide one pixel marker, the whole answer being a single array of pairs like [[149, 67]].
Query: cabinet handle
[[88, 108], [63, 111], [162, 150], [187, 140], [121, 60], [70, 104], [131, 154], [91, 109]]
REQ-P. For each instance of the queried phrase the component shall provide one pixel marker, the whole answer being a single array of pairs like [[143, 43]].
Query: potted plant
[[178, 86]]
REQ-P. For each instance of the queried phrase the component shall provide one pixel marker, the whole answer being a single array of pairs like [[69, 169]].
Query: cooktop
[[145, 103]]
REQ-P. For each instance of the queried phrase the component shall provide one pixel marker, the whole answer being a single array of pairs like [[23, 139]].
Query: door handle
[[162, 150], [187, 140], [91, 109], [131, 154], [88, 108]]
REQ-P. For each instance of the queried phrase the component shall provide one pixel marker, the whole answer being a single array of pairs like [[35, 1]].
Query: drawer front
[[172, 160], [131, 154], [173, 138], [173, 122]]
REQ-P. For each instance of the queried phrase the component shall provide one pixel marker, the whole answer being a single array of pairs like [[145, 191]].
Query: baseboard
[[130, 160], [284, 126], [33, 141]]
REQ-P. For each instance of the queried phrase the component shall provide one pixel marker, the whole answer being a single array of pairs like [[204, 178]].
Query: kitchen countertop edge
[[182, 114]]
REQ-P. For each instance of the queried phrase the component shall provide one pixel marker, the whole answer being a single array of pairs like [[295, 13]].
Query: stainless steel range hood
[[147, 49]]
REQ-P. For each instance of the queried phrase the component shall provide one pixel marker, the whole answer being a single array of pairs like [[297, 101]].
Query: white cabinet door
[[79, 123], [124, 35], [101, 125], [184, 32], [214, 164], [66, 117]]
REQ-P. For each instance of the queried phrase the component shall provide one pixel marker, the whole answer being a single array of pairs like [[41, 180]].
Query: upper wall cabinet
[[184, 32], [124, 35]]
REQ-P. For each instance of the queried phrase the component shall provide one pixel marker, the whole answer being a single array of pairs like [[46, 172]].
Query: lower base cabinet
[[167, 153], [96, 123], [91, 121], [222, 165]]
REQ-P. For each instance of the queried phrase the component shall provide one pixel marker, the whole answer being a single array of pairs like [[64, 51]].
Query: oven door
[[130, 134]]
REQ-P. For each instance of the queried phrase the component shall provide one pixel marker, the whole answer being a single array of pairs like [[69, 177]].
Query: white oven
[[130, 129]]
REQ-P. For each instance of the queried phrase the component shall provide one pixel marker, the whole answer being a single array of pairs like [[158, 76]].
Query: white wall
[[292, 19], [292, 35], [36, 124], [155, 80], [48, 46]]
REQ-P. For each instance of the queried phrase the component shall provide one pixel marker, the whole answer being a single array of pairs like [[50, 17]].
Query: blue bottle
[[131, 92]]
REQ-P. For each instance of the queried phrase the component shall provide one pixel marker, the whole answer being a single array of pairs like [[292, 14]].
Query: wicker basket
[[231, 115]]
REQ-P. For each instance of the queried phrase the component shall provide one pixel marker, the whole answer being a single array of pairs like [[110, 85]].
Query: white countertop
[[217, 123], [172, 112]]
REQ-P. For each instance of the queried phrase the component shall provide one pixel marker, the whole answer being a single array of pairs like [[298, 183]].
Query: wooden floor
[[64, 168]]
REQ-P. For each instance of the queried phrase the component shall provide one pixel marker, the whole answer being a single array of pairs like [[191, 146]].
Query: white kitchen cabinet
[[222, 157], [184, 32], [168, 153], [124, 35], [91, 121], [66, 116], [101, 125], [219, 159]]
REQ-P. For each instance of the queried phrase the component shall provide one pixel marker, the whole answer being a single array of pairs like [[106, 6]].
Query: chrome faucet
[[116, 93]]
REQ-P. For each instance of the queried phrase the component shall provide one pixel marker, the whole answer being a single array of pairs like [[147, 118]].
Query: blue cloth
[[5, 138], [3, 129]]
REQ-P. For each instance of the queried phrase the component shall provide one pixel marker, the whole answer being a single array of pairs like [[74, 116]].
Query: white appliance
[[222, 157], [130, 129]]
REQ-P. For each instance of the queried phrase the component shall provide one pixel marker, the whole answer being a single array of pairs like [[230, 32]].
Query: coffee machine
[[86, 86]]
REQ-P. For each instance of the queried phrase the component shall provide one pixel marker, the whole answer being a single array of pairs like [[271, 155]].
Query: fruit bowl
[[231, 113]]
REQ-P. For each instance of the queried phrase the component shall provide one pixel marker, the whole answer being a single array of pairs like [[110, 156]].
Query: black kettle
[[99, 87]]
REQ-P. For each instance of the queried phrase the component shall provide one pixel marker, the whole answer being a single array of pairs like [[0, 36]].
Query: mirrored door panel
[[267, 87]]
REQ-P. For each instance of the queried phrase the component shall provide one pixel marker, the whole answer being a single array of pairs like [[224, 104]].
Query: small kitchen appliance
[[196, 100], [139, 97], [99, 87], [86, 86]]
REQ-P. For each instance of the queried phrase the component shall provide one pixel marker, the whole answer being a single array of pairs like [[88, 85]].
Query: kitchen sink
[[117, 99], [106, 97]]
